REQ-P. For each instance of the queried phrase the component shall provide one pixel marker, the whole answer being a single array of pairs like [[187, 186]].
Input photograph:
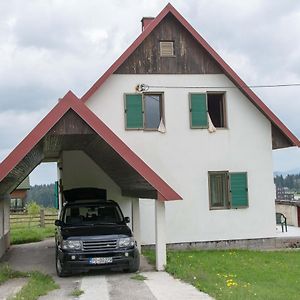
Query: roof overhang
[[71, 125]]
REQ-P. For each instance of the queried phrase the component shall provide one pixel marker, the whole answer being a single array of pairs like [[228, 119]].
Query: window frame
[[161, 106], [227, 200], [173, 48], [228, 190], [224, 102]]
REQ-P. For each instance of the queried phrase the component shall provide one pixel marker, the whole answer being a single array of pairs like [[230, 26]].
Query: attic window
[[167, 49]]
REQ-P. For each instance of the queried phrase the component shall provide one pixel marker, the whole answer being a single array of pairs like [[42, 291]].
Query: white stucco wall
[[183, 157], [80, 171], [4, 223]]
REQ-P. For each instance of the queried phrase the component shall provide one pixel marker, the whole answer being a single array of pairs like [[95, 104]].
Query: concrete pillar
[[4, 223], [136, 222], [60, 186], [160, 235]]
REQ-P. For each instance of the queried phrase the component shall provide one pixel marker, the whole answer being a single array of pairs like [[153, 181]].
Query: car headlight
[[126, 242], [71, 245]]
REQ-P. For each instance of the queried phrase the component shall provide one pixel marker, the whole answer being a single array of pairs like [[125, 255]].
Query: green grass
[[77, 292], [238, 274], [38, 284], [7, 273], [30, 234], [139, 277]]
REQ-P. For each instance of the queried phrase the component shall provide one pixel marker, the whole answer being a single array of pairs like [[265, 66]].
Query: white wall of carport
[[183, 157], [4, 223], [79, 170]]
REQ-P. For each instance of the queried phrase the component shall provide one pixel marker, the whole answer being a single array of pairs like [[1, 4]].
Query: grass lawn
[[30, 234], [38, 283], [238, 274]]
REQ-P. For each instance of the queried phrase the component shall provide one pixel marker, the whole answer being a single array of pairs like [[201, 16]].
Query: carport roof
[[47, 140]]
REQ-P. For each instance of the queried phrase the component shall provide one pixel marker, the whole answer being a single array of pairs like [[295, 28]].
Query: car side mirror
[[58, 223], [127, 220]]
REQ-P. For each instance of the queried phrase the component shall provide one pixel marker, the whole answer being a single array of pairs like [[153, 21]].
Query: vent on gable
[[166, 48]]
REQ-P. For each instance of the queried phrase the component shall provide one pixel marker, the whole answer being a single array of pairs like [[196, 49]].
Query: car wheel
[[60, 270], [134, 267]]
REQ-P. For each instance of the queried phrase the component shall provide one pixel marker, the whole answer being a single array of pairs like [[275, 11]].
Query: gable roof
[[9, 171], [169, 9]]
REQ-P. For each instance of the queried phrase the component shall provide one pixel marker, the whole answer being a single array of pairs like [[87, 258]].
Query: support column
[[60, 186], [4, 223], [160, 235], [136, 222]]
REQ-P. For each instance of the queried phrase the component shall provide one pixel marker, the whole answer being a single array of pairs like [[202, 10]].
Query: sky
[[48, 47]]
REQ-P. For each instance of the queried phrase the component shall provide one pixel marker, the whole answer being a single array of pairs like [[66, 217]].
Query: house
[[169, 120], [290, 208], [18, 196]]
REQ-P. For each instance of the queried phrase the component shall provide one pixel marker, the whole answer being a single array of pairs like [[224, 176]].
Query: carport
[[72, 126]]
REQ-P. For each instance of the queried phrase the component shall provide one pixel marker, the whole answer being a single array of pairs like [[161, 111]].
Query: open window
[[228, 190], [206, 107], [144, 111], [216, 109]]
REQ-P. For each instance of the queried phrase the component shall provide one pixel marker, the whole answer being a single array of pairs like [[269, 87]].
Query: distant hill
[[289, 172], [42, 194]]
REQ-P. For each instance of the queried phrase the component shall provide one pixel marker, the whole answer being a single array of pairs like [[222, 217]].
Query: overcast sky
[[48, 47]]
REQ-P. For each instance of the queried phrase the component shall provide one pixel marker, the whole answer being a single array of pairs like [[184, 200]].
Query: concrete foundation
[[253, 244]]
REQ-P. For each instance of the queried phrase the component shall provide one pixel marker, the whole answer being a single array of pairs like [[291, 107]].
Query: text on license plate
[[100, 260]]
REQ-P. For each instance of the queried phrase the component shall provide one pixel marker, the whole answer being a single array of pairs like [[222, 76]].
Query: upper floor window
[[208, 109], [166, 48], [228, 190], [144, 111]]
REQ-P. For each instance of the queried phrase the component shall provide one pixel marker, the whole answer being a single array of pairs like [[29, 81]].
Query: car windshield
[[92, 215]]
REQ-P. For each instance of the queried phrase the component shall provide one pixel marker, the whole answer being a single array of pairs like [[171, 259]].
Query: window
[[228, 190], [144, 111], [207, 105], [166, 48], [216, 109]]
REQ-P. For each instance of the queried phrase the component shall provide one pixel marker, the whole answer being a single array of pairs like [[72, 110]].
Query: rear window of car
[[91, 214]]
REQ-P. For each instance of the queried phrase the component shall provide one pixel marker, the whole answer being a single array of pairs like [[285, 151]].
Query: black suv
[[92, 234]]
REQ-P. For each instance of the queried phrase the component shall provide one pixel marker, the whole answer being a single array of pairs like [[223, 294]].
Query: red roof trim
[[70, 101], [227, 69]]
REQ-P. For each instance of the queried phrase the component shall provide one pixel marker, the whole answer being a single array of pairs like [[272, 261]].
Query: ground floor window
[[16, 204], [228, 190]]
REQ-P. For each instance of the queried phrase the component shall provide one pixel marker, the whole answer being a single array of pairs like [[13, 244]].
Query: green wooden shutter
[[56, 201], [198, 109], [134, 111], [238, 190]]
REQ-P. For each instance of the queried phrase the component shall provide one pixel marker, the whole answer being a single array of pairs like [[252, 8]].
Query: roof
[[131, 169], [25, 185], [169, 9]]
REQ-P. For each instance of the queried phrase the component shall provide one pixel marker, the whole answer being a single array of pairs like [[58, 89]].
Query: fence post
[[42, 218]]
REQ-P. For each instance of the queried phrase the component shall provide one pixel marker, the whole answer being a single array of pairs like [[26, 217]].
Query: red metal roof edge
[[70, 101], [227, 69]]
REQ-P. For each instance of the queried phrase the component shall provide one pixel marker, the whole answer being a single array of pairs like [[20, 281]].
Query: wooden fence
[[43, 219]]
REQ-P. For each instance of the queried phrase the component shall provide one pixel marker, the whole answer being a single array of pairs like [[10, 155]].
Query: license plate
[[100, 260]]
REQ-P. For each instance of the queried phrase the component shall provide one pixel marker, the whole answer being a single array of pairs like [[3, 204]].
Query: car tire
[[134, 267], [60, 270]]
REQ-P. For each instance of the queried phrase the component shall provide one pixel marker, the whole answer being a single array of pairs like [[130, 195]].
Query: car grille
[[97, 245]]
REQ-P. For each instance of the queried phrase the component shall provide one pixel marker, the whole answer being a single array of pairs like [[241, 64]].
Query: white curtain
[[161, 127], [211, 127]]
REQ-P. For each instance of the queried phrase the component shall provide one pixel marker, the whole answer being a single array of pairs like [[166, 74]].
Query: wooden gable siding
[[190, 57]]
